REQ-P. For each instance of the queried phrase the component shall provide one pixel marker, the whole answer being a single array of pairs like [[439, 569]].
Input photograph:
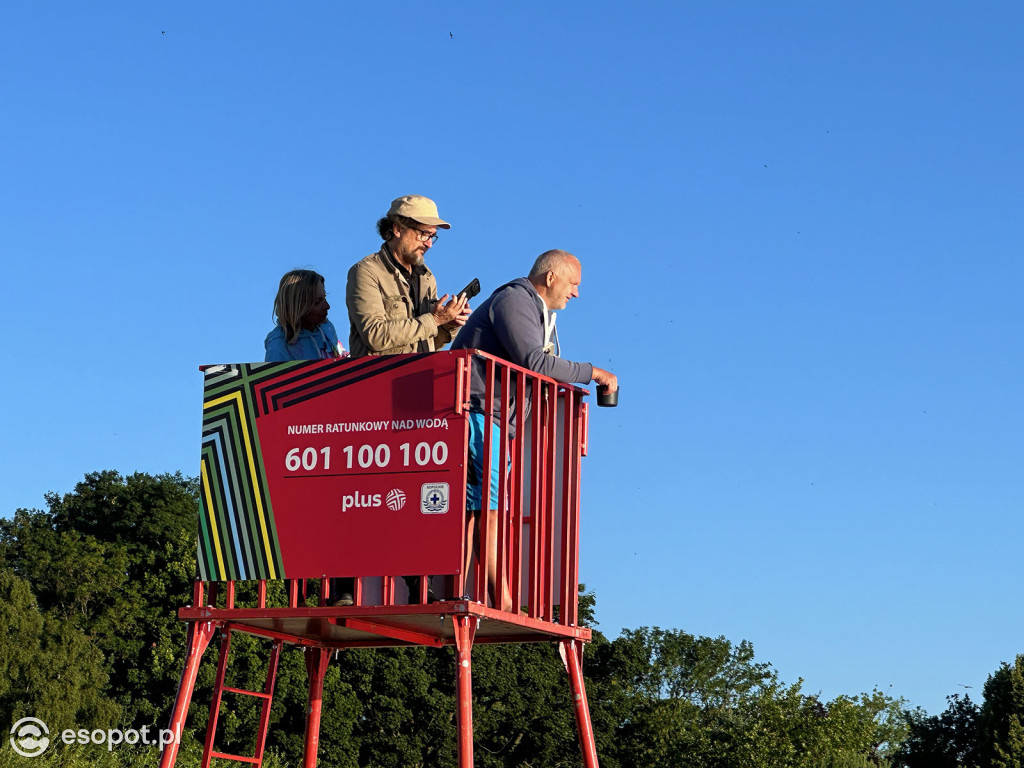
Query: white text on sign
[[366, 456]]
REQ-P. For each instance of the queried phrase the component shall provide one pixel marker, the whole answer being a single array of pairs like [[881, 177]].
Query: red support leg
[[570, 652], [316, 667], [199, 634], [465, 630]]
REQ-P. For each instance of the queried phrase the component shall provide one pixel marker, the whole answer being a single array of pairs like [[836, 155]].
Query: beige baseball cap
[[418, 208]]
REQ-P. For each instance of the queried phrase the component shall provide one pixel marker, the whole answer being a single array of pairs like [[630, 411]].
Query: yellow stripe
[[261, 516], [222, 400], [213, 522]]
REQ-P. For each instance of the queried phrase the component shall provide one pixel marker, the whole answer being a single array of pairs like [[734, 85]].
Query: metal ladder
[[266, 696]]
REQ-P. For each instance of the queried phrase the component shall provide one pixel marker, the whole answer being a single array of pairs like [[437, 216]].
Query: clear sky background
[[800, 225]]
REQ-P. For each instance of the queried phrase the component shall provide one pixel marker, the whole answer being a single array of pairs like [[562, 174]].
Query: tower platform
[[384, 626], [313, 471]]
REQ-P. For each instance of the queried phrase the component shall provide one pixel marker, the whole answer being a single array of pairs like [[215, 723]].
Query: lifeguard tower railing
[[319, 470]]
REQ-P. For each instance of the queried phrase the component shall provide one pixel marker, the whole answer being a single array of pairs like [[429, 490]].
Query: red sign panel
[[365, 468]]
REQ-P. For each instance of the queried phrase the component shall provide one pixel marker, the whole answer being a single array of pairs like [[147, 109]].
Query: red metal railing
[[538, 503]]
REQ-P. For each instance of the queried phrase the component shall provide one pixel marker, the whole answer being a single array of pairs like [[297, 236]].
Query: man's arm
[[371, 318], [517, 323]]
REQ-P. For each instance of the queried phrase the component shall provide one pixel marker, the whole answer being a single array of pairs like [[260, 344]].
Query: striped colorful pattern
[[237, 535], [237, 538]]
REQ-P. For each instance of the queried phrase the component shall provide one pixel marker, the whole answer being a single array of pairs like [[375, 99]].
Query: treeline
[[89, 638]]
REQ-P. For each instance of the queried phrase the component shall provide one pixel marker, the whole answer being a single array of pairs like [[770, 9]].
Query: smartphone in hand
[[471, 290]]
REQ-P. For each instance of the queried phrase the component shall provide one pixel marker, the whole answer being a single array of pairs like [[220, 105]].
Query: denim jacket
[[321, 342]]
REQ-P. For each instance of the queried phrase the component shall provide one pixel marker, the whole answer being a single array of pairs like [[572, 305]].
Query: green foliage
[[89, 637], [48, 668], [846, 760], [405, 705], [112, 559], [522, 707], [98, 756], [699, 701], [1002, 716], [949, 740]]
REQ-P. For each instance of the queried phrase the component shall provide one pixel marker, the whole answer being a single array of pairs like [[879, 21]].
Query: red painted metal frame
[[316, 668], [199, 635], [570, 543], [483, 535], [266, 697], [572, 657], [218, 688], [465, 631], [527, 527]]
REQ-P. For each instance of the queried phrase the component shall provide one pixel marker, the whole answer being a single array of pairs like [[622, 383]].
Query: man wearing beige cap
[[392, 296]]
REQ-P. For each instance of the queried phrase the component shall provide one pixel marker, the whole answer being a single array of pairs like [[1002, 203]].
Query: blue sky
[[800, 229]]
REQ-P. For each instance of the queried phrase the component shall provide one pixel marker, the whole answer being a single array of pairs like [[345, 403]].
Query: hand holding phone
[[471, 290], [451, 309]]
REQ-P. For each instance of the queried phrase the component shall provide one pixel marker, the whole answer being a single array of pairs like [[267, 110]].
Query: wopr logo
[[30, 737], [434, 498]]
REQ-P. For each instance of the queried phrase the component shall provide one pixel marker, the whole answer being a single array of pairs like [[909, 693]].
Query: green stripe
[[223, 523], [274, 554], [224, 419]]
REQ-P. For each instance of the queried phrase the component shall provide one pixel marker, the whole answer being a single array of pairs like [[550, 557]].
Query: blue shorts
[[475, 469]]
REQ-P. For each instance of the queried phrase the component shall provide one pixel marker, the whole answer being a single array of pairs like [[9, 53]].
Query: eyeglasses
[[423, 235]]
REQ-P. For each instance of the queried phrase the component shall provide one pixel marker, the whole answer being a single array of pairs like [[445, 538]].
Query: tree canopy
[[89, 589]]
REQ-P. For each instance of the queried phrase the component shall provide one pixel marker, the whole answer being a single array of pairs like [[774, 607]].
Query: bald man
[[517, 323]]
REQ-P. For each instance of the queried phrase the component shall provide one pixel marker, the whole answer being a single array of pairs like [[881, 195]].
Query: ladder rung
[[239, 758], [257, 694]]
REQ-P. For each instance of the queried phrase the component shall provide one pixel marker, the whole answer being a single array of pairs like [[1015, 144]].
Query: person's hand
[[446, 313], [463, 316], [606, 379]]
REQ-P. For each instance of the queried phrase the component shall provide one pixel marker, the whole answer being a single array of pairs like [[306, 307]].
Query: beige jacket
[[382, 318]]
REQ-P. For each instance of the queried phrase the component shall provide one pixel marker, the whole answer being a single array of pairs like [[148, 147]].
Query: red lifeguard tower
[[357, 468]]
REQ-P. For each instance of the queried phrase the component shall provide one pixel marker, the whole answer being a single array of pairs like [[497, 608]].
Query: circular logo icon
[[30, 737], [395, 500]]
